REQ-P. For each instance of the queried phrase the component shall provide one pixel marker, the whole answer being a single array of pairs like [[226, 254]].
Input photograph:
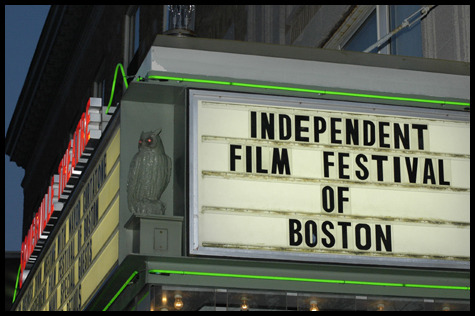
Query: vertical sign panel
[[326, 181], [86, 247]]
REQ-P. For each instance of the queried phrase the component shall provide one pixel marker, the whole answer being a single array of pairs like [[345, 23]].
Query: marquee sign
[[75, 158], [86, 247], [328, 181]]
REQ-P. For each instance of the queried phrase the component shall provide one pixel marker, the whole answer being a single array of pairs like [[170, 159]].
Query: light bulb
[[178, 304], [244, 305], [314, 306]]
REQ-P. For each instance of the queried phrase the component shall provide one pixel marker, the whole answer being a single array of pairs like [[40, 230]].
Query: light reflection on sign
[[287, 178]]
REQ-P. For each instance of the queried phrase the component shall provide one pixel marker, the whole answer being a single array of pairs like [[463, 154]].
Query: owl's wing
[[169, 167], [132, 182]]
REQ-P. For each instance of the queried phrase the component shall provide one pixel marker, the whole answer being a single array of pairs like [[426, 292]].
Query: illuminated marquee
[[80, 147], [85, 248], [328, 181]]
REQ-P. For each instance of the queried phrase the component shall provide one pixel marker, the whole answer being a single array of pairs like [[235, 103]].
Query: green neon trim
[[119, 65], [445, 287], [322, 92], [280, 278], [16, 283], [121, 290]]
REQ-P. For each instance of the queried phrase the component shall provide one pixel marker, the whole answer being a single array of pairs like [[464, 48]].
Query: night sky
[[23, 26]]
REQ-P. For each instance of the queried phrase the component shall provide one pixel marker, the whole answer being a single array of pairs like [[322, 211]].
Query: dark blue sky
[[23, 25]]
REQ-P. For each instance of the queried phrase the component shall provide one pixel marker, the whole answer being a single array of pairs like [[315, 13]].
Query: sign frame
[[196, 95]]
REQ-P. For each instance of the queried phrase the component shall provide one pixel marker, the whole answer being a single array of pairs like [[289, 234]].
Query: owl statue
[[149, 174]]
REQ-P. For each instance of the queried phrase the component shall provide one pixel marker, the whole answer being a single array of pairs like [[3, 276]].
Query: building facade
[[246, 157]]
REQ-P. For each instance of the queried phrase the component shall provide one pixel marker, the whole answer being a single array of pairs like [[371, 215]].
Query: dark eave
[[46, 73]]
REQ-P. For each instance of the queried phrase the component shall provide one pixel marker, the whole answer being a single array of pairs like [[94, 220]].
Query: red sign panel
[[60, 188]]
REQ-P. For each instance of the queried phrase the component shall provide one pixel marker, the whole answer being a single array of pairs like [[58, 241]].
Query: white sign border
[[195, 95]]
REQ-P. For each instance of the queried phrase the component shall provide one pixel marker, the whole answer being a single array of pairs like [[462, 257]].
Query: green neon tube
[[321, 92], [16, 283], [119, 65], [280, 278], [121, 289]]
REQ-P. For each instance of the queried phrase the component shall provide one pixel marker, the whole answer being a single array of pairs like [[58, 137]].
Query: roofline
[[317, 54], [30, 86]]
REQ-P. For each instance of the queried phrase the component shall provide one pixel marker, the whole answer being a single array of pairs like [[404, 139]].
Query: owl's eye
[[149, 140], [140, 141]]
